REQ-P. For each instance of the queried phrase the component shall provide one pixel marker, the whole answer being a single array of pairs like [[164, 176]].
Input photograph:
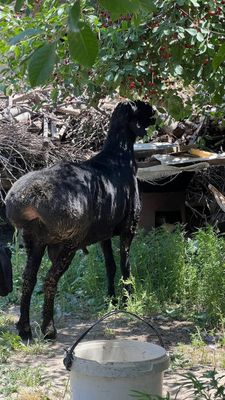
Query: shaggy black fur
[[6, 284], [72, 205]]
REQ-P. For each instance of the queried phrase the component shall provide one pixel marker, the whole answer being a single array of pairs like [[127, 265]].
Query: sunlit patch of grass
[[32, 395], [11, 380], [6, 321], [11, 343], [188, 356], [109, 333]]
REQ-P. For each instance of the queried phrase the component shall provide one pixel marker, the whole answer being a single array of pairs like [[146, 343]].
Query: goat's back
[[72, 200]]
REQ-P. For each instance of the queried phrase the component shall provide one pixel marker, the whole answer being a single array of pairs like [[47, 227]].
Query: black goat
[[72, 205], [6, 284]]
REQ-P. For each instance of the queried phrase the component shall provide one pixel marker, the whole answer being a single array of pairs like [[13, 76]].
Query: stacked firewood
[[205, 132]]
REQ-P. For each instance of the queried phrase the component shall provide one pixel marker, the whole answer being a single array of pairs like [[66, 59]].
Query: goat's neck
[[119, 141]]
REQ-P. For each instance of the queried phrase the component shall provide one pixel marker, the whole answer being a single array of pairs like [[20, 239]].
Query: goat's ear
[[137, 127], [133, 109]]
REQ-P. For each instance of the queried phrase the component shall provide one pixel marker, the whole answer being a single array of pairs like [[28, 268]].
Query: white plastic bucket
[[111, 369]]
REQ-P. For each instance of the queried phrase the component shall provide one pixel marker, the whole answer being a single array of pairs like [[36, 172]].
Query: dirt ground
[[55, 383]]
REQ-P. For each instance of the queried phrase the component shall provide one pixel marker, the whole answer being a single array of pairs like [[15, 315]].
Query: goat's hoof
[[24, 332], [49, 332]]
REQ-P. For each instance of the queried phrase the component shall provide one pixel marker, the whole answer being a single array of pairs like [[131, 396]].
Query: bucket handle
[[68, 359]]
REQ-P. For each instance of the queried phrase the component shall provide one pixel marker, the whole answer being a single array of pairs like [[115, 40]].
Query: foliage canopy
[[170, 52]]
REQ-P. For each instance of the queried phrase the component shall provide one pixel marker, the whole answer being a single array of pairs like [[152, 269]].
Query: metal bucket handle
[[68, 359]]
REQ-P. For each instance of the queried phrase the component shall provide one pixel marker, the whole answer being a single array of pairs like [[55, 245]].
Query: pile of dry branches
[[202, 209], [32, 138], [205, 131], [22, 151], [88, 130]]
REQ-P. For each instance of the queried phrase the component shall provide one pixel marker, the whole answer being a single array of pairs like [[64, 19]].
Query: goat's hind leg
[[61, 257], [35, 252], [110, 266], [125, 243]]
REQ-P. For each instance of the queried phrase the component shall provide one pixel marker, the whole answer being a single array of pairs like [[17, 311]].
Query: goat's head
[[6, 284], [136, 115]]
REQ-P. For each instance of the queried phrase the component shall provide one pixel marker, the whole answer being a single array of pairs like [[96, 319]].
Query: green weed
[[12, 379], [197, 339], [170, 273], [206, 278], [209, 386], [6, 321], [9, 342]]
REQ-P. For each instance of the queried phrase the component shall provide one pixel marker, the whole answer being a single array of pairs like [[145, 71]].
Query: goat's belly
[[79, 239], [74, 231], [99, 233]]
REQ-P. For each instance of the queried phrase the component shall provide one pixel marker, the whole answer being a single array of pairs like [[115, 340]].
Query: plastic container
[[113, 369]]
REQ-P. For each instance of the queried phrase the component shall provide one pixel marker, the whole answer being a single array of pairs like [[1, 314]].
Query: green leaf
[[218, 98], [23, 35], [74, 15], [18, 5], [175, 107], [219, 57], [147, 5], [195, 3], [117, 8], [2, 88], [191, 31], [109, 77], [177, 52], [83, 45], [41, 64], [178, 70], [200, 37]]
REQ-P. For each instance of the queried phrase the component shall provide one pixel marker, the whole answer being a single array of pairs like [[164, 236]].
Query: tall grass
[[167, 269], [205, 278]]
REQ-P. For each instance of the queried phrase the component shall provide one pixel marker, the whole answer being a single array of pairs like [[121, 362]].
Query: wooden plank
[[201, 153]]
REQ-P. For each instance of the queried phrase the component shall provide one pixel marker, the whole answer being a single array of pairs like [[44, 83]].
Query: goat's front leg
[[35, 252], [110, 265], [61, 257], [125, 243]]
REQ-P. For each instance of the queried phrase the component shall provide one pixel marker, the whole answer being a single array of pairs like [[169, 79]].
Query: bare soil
[[55, 382]]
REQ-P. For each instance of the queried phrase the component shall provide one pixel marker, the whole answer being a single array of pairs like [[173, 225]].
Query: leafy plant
[[207, 279], [209, 386], [141, 49], [12, 380]]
